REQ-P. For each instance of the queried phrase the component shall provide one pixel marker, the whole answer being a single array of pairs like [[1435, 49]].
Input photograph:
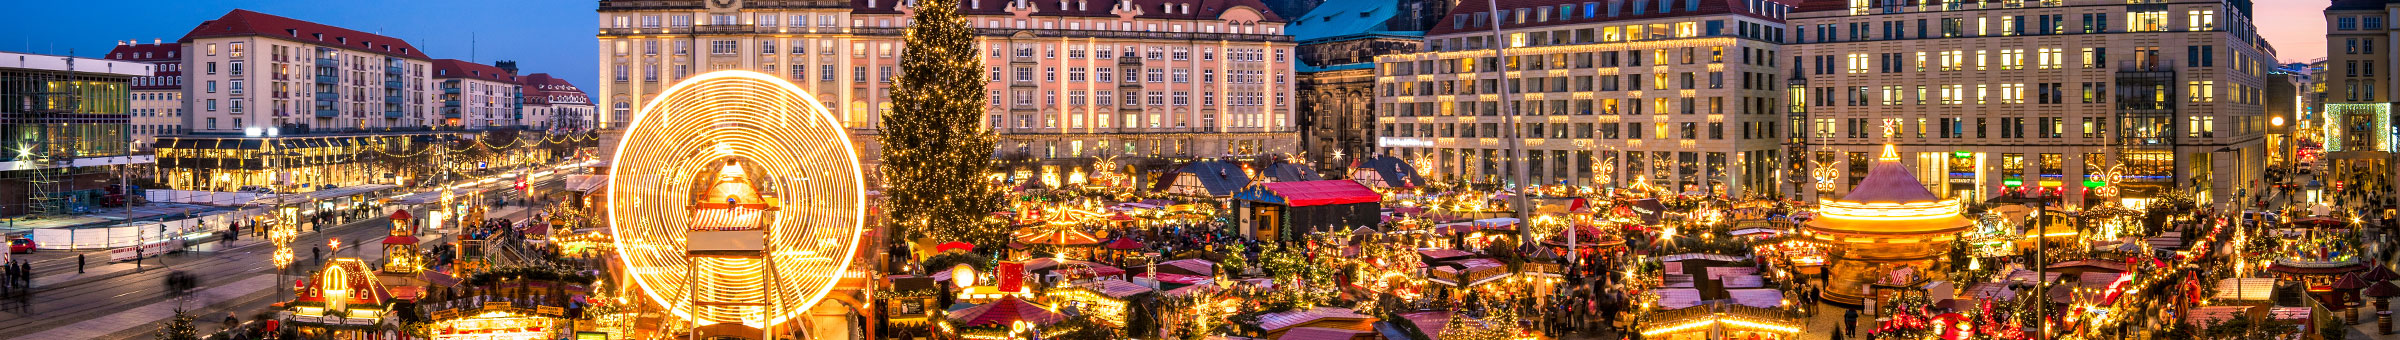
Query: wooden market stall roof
[[1387, 172], [1309, 193], [1325, 317], [1114, 288], [2245, 289], [1001, 313], [1205, 179]]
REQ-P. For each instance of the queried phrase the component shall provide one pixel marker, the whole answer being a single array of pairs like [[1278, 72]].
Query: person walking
[[78, 263], [1850, 322]]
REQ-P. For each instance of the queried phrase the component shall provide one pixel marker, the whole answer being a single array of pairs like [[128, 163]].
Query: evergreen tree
[[178, 328], [935, 154]]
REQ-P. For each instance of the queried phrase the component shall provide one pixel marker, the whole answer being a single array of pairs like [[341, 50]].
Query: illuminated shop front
[[290, 164]]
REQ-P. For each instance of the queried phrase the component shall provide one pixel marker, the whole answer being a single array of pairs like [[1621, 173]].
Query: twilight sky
[[2295, 27], [556, 36], [543, 36]]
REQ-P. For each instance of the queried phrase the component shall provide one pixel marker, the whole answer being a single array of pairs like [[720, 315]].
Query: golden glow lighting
[[798, 150], [1889, 211]]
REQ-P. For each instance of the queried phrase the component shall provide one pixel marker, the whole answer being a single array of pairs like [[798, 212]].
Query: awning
[[1310, 193]]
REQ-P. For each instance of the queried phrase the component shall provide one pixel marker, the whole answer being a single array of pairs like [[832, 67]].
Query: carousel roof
[[1890, 182], [1890, 201]]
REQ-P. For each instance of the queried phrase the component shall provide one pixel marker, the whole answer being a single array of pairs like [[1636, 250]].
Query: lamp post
[[2041, 239]]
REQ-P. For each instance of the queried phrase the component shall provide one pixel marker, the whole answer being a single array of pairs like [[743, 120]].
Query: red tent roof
[[1004, 312], [410, 240], [1329, 192], [401, 214], [1124, 243], [954, 245]]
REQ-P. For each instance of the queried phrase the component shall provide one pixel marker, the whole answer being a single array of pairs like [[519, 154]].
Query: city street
[[56, 309]]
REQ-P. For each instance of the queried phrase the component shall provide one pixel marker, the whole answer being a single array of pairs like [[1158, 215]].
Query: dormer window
[[292, 32], [318, 36]]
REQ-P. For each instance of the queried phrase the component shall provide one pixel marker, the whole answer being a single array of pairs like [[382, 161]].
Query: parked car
[[20, 245]]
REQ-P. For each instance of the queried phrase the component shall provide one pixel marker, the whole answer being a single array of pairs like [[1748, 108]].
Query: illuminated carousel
[[1889, 231], [737, 202]]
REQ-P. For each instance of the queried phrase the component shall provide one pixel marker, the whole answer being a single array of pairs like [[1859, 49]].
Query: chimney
[[155, 41], [120, 43]]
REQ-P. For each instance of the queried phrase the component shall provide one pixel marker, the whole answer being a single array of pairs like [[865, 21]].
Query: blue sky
[[543, 36]]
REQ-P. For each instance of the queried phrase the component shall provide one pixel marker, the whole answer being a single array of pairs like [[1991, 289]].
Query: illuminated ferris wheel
[[736, 199]]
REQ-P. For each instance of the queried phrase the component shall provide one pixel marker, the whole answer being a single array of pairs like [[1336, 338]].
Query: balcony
[[328, 79], [450, 112], [328, 96], [724, 29], [450, 103], [391, 70], [449, 90], [391, 99], [391, 84], [1066, 33], [327, 112], [391, 113], [327, 62]]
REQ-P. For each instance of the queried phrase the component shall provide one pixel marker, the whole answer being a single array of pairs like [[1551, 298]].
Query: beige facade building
[[1068, 79], [1675, 95], [251, 72], [157, 98], [1990, 97], [555, 104], [476, 95]]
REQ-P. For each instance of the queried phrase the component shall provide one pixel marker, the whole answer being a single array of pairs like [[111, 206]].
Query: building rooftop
[[1146, 9], [1339, 18], [71, 63], [2345, 5], [152, 52], [454, 68], [541, 88], [242, 22], [1595, 11]]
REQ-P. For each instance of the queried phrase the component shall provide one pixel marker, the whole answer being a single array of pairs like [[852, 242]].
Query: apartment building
[[1069, 80], [1673, 95], [554, 104], [2151, 97], [158, 97], [252, 72], [476, 95], [2359, 88]]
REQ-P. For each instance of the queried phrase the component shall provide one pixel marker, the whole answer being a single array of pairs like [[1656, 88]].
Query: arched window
[[622, 112]]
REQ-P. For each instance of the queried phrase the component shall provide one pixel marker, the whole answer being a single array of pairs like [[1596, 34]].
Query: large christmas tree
[[934, 154]]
